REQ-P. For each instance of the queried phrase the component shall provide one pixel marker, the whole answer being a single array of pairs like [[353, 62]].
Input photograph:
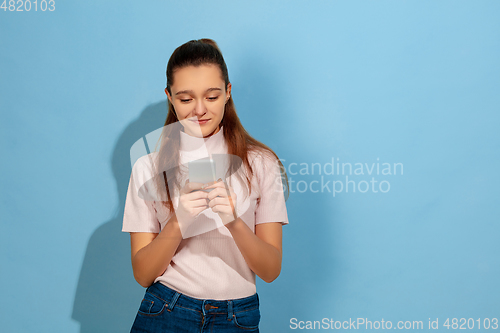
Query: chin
[[207, 132], [198, 131]]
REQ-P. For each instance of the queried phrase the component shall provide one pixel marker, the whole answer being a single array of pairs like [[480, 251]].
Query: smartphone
[[202, 171]]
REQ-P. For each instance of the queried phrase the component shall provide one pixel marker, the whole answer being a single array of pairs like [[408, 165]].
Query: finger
[[190, 187], [218, 208], [218, 192], [223, 204], [216, 201], [222, 209], [196, 195], [197, 211], [198, 203], [222, 189], [217, 183], [209, 184]]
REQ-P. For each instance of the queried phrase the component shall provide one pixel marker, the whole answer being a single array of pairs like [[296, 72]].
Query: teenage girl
[[197, 247]]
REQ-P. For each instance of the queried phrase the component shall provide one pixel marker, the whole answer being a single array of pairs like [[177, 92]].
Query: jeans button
[[208, 306]]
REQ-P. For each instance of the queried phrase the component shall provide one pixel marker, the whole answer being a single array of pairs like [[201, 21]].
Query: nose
[[200, 108]]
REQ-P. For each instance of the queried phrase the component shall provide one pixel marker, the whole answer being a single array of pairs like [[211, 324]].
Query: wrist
[[235, 224], [172, 228]]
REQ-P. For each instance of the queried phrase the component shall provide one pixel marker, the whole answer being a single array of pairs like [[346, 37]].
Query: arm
[[262, 251], [152, 252]]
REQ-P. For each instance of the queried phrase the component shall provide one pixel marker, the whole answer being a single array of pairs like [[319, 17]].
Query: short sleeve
[[271, 203], [139, 214]]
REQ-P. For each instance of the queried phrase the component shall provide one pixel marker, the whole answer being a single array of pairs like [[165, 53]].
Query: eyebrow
[[191, 92]]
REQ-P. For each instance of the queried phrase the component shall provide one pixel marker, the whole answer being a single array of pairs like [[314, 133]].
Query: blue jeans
[[166, 310]]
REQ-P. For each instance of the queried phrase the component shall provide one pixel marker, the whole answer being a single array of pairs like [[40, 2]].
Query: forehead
[[197, 78]]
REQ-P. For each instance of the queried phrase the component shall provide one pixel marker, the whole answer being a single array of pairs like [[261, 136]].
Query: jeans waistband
[[205, 306]]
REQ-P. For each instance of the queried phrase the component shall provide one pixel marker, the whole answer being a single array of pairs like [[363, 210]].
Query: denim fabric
[[165, 310]]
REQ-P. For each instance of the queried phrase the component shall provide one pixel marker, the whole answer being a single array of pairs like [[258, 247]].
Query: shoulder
[[142, 169], [261, 157], [264, 164], [144, 163], [143, 177]]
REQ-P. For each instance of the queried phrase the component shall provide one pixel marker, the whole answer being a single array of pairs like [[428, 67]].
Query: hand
[[192, 202], [222, 200]]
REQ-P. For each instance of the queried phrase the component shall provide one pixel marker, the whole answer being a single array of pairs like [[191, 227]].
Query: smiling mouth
[[200, 121]]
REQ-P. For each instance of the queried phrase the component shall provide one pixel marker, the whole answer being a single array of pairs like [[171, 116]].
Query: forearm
[[263, 258], [153, 259]]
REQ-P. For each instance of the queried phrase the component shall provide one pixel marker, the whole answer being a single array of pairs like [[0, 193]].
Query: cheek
[[182, 110], [218, 109]]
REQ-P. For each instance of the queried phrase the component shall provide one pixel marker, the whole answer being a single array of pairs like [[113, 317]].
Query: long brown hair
[[239, 142]]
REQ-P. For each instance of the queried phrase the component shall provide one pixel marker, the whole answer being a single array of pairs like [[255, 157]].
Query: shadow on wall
[[107, 296]]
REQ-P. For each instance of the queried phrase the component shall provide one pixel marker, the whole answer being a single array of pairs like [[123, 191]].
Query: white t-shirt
[[208, 264]]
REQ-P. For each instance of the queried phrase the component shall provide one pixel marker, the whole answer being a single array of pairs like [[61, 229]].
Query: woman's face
[[199, 97]]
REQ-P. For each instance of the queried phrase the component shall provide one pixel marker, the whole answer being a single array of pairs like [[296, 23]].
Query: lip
[[200, 121]]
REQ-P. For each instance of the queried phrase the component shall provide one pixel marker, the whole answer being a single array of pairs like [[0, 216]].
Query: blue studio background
[[405, 93]]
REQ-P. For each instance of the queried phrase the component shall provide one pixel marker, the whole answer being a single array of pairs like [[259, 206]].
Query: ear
[[168, 95], [228, 91]]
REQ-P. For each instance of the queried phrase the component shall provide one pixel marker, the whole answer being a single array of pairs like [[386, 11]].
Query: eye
[[185, 100], [213, 98]]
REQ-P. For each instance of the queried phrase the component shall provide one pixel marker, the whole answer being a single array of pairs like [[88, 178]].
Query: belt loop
[[229, 310], [173, 301]]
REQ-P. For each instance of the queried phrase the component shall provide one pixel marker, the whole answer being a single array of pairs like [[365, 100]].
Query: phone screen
[[202, 171]]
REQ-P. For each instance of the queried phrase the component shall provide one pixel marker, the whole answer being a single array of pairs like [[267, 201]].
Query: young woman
[[197, 247]]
